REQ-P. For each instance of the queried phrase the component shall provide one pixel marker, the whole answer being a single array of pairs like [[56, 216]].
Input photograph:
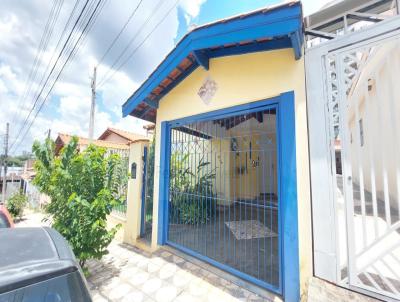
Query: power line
[[138, 32], [89, 23], [58, 43], [120, 32], [46, 36], [52, 69]]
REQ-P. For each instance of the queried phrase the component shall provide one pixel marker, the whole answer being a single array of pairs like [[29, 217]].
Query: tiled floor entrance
[[129, 274]]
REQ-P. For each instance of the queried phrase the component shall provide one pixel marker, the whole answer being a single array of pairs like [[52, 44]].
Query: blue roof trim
[[282, 23]]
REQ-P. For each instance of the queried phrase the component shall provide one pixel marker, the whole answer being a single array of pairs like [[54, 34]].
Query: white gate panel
[[354, 118]]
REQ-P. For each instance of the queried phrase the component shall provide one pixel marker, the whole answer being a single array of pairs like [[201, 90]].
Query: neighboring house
[[15, 182], [83, 143], [231, 184], [120, 136], [35, 198]]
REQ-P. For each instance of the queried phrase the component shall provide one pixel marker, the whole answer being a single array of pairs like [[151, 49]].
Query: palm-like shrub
[[191, 189]]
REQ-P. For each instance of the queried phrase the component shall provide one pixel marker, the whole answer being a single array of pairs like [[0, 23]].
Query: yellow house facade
[[231, 178]]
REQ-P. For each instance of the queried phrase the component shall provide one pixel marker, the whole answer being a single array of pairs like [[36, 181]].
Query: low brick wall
[[322, 291]]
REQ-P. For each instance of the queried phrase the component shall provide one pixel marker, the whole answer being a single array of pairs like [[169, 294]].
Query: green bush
[[16, 204], [83, 188]]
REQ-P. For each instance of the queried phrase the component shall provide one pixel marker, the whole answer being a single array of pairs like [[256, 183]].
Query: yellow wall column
[[134, 198]]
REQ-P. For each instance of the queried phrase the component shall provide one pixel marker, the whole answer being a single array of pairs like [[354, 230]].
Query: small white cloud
[[191, 8]]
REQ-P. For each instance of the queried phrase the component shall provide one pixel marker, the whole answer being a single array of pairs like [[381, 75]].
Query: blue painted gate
[[229, 188]]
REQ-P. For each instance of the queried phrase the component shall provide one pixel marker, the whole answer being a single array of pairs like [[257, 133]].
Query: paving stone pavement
[[128, 274]]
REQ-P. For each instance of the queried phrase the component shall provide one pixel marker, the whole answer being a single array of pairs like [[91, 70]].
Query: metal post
[[5, 164], [398, 6], [92, 107]]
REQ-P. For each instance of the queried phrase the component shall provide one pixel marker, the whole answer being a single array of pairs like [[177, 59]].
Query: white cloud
[[67, 109], [192, 7]]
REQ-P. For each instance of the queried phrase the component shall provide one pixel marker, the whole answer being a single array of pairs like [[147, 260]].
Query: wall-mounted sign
[[208, 90]]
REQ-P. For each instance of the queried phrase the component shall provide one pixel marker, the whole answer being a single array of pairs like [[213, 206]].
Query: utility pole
[[93, 105], [49, 133], [5, 164]]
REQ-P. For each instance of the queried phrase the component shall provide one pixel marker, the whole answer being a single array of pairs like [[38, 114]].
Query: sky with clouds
[[67, 109]]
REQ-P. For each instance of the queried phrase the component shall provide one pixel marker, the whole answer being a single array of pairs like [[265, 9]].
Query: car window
[[66, 288], [4, 223]]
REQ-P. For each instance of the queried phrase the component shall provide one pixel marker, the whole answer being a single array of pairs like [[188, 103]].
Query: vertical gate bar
[[204, 203], [182, 193], [178, 185], [198, 192], [195, 195], [393, 83], [211, 194], [241, 199], [333, 99], [246, 184], [193, 185], [218, 165], [346, 170], [173, 183], [188, 235], [270, 211], [383, 157], [264, 212], [171, 208], [226, 203], [370, 120], [207, 190], [233, 152], [258, 206], [190, 191], [361, 175], [196, 198], [214, 184]]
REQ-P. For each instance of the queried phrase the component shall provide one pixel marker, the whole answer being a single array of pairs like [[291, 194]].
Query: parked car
[[6, 220], [37, 265]]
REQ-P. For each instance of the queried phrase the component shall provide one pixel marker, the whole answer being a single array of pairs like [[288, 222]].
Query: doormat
[[249, 229]]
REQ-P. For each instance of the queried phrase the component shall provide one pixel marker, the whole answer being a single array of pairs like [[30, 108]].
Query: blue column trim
[[163, 185], [288, 198]]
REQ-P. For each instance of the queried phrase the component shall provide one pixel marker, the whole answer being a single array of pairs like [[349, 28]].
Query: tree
[[83, 188]]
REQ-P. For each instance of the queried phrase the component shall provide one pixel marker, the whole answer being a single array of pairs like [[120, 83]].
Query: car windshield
[[4, 223], [66, 288]]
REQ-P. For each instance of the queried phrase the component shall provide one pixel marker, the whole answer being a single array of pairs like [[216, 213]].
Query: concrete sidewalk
[[130, 274]]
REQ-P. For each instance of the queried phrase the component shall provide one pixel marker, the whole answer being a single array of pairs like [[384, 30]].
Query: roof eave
[[283, 21]]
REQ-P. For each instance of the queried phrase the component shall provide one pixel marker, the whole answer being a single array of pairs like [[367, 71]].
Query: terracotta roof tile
[[83, 141], [128, 135]]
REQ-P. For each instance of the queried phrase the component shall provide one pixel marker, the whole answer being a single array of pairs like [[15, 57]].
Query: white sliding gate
[[353, 88]]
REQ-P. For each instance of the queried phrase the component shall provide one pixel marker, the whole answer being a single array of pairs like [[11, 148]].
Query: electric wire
[[104, 79], [46, 36], [135, 36], [120, 33], [83, 32]]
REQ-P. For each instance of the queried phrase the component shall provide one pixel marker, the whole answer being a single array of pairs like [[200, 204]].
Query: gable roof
[[131, 137], [270, 28]]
